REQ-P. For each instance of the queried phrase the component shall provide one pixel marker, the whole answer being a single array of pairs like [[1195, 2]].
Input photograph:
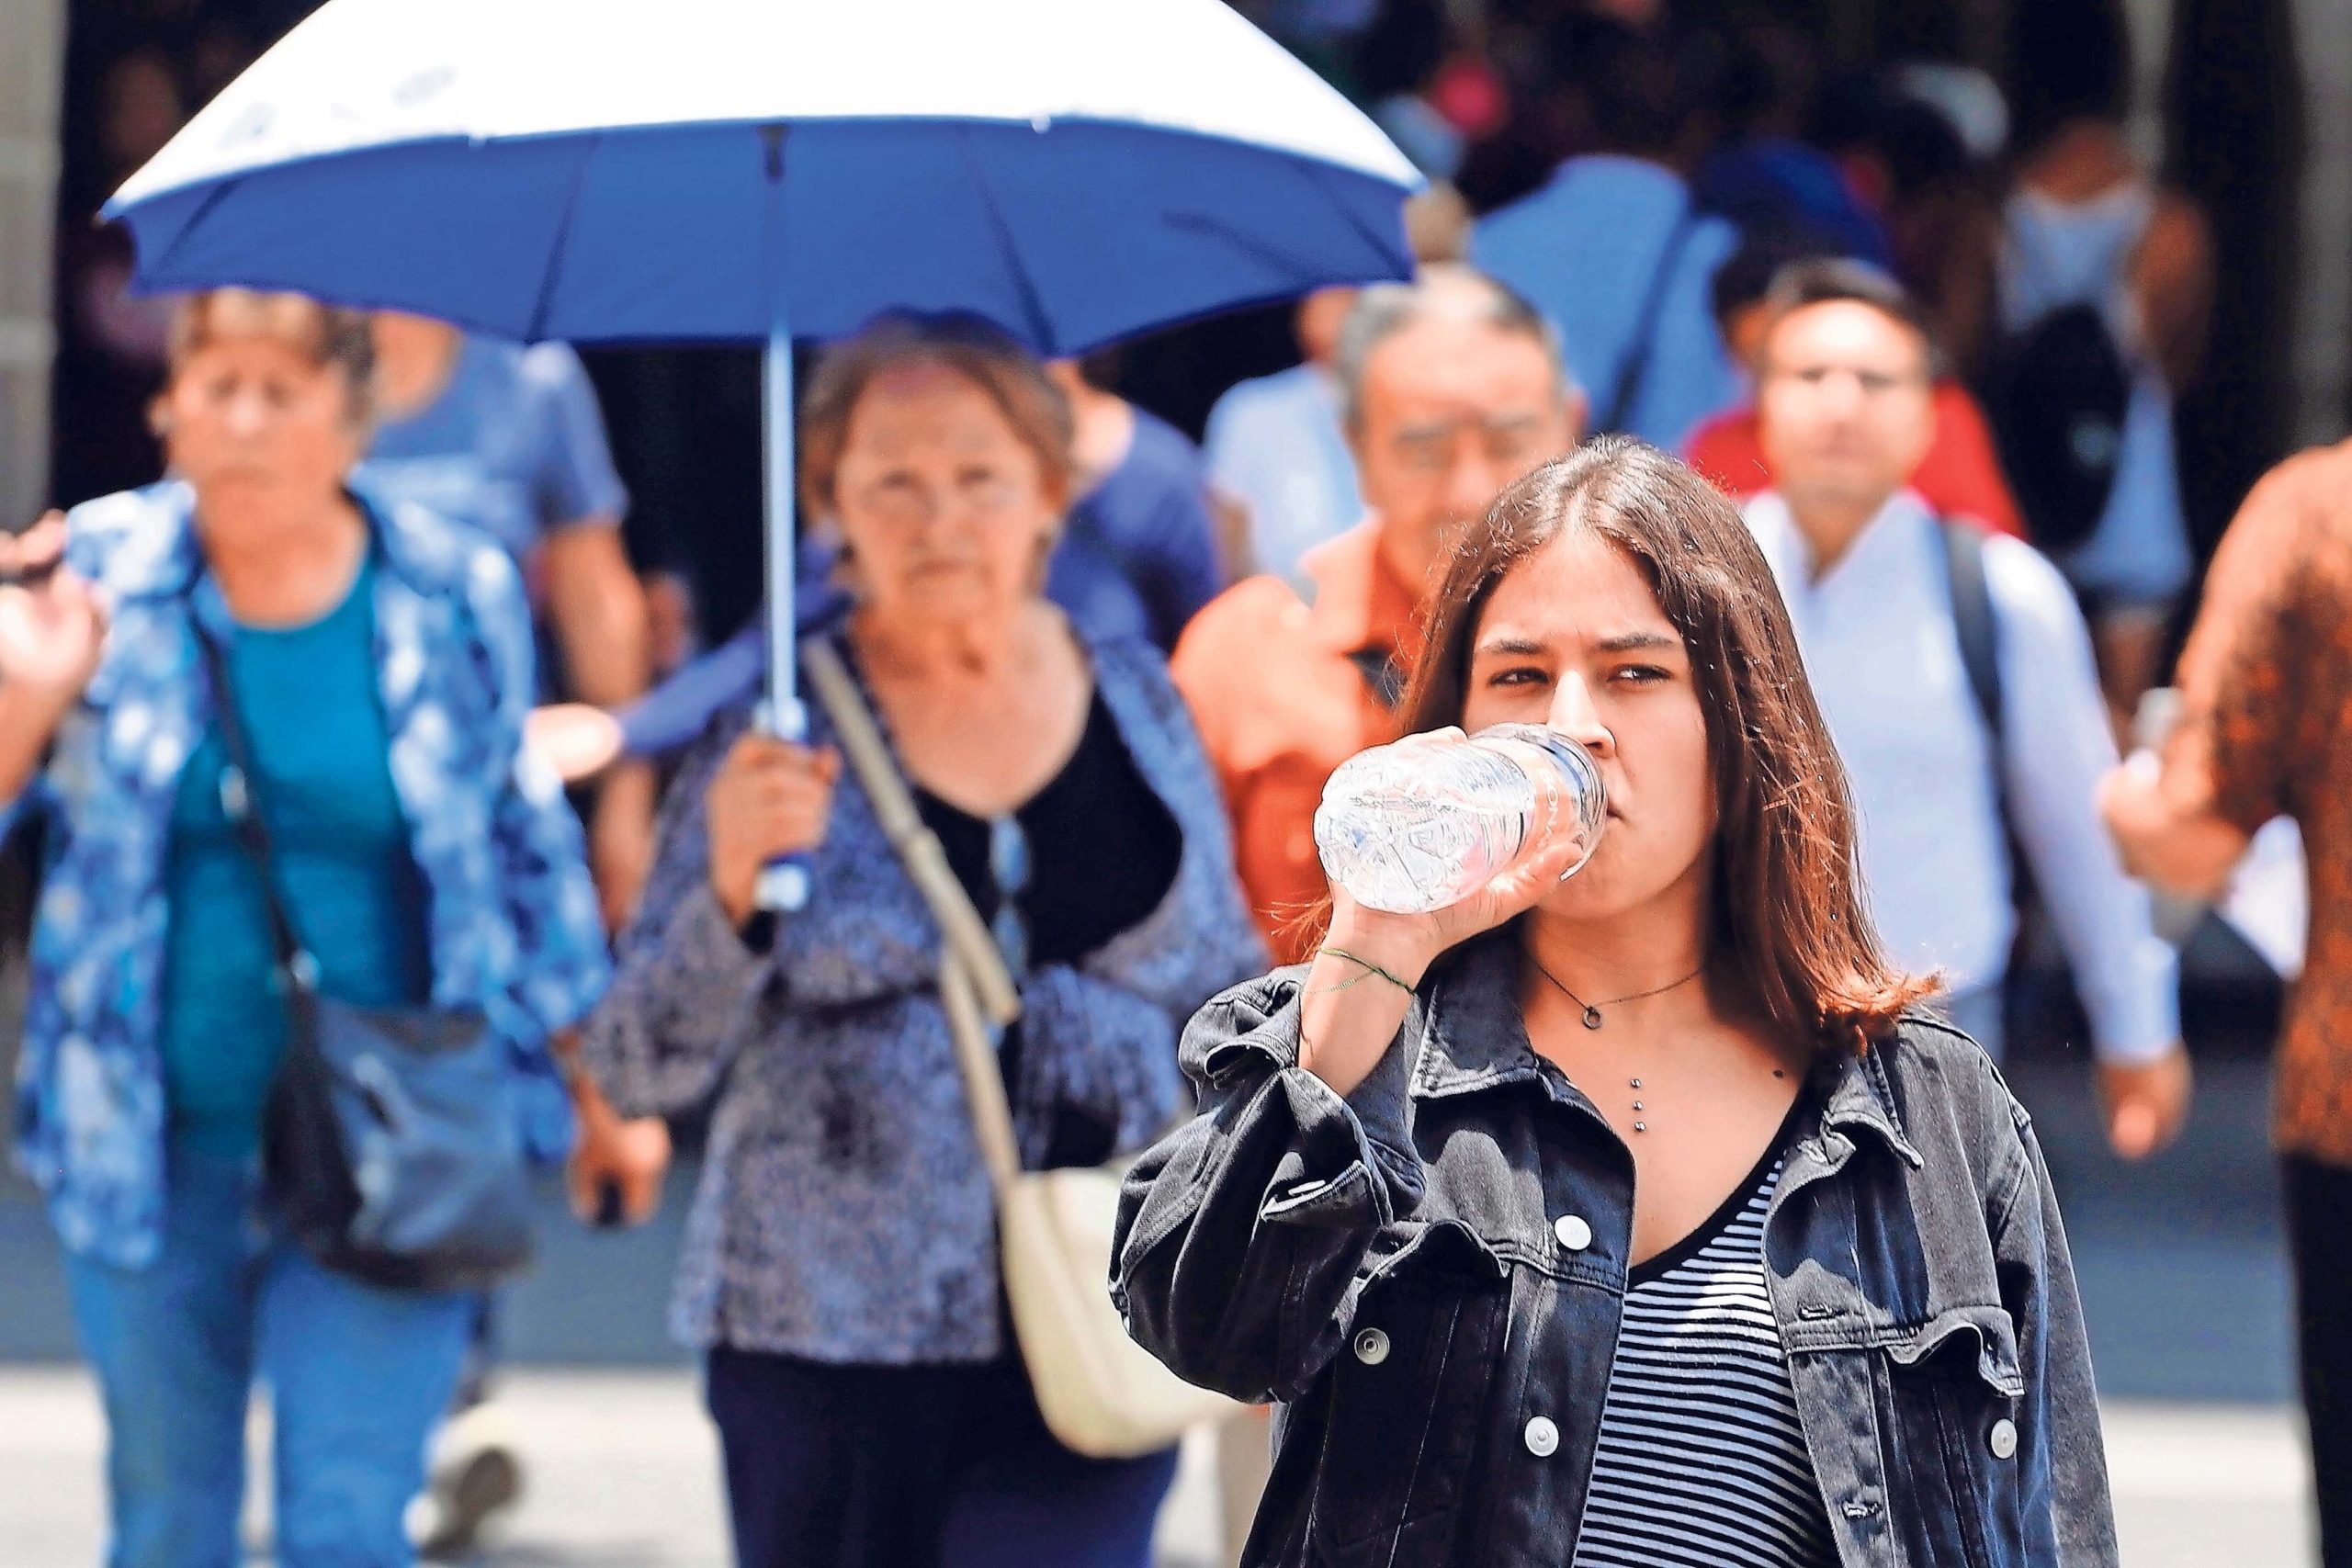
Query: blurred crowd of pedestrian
[[1928, 337]]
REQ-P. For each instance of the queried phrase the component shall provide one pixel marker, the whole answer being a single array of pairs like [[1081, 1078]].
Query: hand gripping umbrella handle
[[783, 883]]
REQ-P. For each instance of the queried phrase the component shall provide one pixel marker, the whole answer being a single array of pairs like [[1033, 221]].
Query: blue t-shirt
[[514, 446], [1276, 444], [313, 719], [1138, 555], [1583, 251]]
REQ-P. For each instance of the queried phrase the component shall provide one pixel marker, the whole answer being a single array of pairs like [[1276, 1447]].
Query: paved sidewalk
[[624, 1475], [2183, 1273]]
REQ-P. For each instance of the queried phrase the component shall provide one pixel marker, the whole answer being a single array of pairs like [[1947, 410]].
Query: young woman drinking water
[[1761, 1267]]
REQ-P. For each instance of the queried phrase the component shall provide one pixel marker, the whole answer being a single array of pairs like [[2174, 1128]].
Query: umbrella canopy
[[617, 170], [679, 170]]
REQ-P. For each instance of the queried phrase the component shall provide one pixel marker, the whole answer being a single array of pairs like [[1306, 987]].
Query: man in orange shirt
[[1452, 388]]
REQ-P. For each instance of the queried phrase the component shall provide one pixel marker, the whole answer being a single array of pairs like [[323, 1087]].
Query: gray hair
[[1384, 310]]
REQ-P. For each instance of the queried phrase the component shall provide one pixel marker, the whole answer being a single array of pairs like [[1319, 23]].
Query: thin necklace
[[1592, 1016], [1592, 1019]]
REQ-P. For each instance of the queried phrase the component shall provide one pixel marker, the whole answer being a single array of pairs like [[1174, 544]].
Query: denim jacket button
[[2003, 1440], [1372, 1347], [1574, 1232], [1542, 1437]]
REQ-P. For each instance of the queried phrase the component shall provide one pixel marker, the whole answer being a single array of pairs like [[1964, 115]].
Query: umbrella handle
[[783, 886]]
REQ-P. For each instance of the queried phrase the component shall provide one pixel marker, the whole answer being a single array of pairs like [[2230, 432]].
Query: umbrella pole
[[783, 884]]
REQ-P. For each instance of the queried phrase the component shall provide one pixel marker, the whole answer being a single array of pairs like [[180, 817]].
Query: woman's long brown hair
[[1788, 918]]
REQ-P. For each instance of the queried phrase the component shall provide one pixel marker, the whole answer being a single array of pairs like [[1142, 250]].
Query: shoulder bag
[[389, 1144]]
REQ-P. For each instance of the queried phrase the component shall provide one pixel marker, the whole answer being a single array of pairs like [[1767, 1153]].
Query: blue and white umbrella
[[761, 170]]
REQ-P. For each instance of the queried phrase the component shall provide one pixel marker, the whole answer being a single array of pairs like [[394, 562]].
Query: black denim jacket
[[1398, 1271]]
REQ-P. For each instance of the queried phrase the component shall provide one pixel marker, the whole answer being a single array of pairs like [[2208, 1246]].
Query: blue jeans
[[357, 1375]]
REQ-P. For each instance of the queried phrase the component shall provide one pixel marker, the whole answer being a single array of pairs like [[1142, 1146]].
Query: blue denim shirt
[[844, 1214], [514, 925], [1913, 1252]]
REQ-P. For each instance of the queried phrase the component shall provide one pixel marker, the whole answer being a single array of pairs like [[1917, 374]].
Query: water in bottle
[[1425, 823]]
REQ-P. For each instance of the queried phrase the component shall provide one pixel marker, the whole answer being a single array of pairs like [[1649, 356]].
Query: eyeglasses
[[1008, 868], [1434, 448], [1814, 380], [904, 502]]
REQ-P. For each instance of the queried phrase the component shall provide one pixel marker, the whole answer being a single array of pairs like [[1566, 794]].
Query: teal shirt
[[312, 714]]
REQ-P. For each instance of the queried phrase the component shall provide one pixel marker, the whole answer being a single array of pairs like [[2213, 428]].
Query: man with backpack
[[1955, 672]]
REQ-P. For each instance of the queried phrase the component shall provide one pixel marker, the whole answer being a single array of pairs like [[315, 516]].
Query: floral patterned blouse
[[514, 928], [2267, 680]]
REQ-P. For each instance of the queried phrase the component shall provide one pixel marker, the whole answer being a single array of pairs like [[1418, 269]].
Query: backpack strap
[[1973, 616], [1977, 621], [1643, 346]]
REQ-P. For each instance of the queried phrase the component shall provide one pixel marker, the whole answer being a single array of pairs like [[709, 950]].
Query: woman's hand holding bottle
[[1356, 990]]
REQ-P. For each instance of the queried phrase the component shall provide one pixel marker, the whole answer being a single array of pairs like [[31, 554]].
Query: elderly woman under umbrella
[[840, 1272]]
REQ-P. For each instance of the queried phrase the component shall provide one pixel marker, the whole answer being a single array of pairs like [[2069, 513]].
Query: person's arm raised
[[1370, 963], [1243, 1236], [52, 630]]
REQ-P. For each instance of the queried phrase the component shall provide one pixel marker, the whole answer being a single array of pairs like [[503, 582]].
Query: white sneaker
[[477, 1474]]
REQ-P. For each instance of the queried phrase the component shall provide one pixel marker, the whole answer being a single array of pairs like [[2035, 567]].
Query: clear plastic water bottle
[[1424, 823]]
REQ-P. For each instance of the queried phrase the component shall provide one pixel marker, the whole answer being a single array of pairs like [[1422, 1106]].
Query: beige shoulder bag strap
[[973, 984]]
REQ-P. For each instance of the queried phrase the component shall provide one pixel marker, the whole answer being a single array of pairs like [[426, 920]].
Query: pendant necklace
[[1592, 1019]]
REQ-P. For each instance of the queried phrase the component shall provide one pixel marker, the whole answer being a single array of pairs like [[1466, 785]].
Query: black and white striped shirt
[[1701, 1461]]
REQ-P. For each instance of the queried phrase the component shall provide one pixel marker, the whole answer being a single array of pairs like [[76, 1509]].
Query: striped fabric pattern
[[1701, 1460]]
